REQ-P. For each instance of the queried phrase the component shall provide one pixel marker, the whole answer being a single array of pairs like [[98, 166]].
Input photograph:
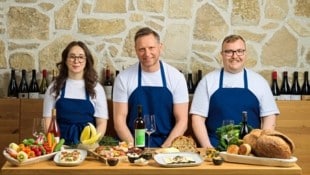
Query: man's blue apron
[[228, 103], [154, 100], [73, 115]]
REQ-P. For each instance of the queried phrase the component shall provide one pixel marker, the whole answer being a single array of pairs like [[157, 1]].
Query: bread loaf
[[184, 144], [269, 143]]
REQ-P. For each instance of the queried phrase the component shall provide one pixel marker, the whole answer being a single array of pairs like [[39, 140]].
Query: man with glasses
[[225, 93]]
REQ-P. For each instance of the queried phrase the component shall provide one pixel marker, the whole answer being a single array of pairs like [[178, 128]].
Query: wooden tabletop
[[94, 167]]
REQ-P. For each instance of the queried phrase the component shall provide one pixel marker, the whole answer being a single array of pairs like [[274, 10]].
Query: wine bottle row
[[290, 92], [24, 90], [191, 86], [108, 82]]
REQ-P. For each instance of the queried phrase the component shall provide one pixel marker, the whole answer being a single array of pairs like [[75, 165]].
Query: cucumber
[[59, 145]]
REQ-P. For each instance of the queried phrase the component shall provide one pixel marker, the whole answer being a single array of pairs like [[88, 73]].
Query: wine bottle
[[107, 84], [244, 130], [53, 75], [13, 88], [199, 76], [23, 86], [53, 127], [274, 86], [33, 86], [43, 84], [305, 89], [295, 89], [285, 91], [140, 129], [190, 83]]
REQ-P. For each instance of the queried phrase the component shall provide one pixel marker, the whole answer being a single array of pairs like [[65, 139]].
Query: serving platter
[[28, 161], [258, 160], [161, 158], [83, 154]]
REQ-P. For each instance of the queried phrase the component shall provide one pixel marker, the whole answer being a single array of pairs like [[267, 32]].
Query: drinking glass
[[229, 126], [150, 127], [38, 127]]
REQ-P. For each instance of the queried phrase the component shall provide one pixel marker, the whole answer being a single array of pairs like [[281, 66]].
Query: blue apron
[[72, 116], [154, 100], [228, 103]]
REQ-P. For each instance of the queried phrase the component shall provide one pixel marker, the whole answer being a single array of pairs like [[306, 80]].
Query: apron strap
[[245, 79]]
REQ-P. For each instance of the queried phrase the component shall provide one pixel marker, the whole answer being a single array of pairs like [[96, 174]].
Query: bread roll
[[244, 149], [233, 149]]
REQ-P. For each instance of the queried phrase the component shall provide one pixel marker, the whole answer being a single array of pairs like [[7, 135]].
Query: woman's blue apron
[[228, 103], [72, 116], [154, 100]]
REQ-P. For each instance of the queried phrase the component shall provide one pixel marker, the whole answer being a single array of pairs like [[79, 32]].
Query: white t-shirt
[[127, 81], [256, 84], [76, 89]]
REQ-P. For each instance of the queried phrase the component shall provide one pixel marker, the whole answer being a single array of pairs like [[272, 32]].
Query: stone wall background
[[33, 33]]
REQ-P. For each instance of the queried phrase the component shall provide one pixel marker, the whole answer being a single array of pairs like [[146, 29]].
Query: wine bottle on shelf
[[33, 86], [199, 76], [305, 89], [190, 83], [244, 130], [13, 88], [295, 89], [285, 91], [274, 86], [53, 75], [53, 126], [43, 84], [140, 129], [108, 84], [23, 86]]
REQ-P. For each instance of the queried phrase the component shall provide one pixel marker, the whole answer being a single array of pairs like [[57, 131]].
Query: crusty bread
[[184, 144], [269, 143], [244, 149]]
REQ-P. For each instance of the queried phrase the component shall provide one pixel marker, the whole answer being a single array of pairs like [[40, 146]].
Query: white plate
[[28, 161], [160, 159], [76, 163], [258, 160]]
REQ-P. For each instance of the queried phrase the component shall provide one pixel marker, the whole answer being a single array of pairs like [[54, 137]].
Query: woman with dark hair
[[76, 94]]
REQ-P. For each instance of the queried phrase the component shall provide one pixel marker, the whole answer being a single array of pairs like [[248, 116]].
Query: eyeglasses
[[230, 53], [80, 59]]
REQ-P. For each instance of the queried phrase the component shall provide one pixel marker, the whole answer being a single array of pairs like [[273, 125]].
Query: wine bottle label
[[41, 96], [139, 137], [305, 97], [295, 97], [276, 97], [108, 92], [22, 95], [285, 97], [34, 95]]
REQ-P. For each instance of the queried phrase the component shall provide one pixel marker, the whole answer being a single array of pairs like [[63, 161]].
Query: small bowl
[[147, 156], [112, 161], [141, 162], [217, 160], [132, 157]]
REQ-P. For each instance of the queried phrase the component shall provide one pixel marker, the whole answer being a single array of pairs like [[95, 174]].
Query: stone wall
[[34, 32]]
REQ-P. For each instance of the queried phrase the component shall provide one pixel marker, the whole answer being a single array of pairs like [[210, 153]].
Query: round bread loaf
[[184, 144], [270, 143]]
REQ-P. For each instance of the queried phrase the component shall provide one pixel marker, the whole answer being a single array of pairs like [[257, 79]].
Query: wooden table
[[94, 167]]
